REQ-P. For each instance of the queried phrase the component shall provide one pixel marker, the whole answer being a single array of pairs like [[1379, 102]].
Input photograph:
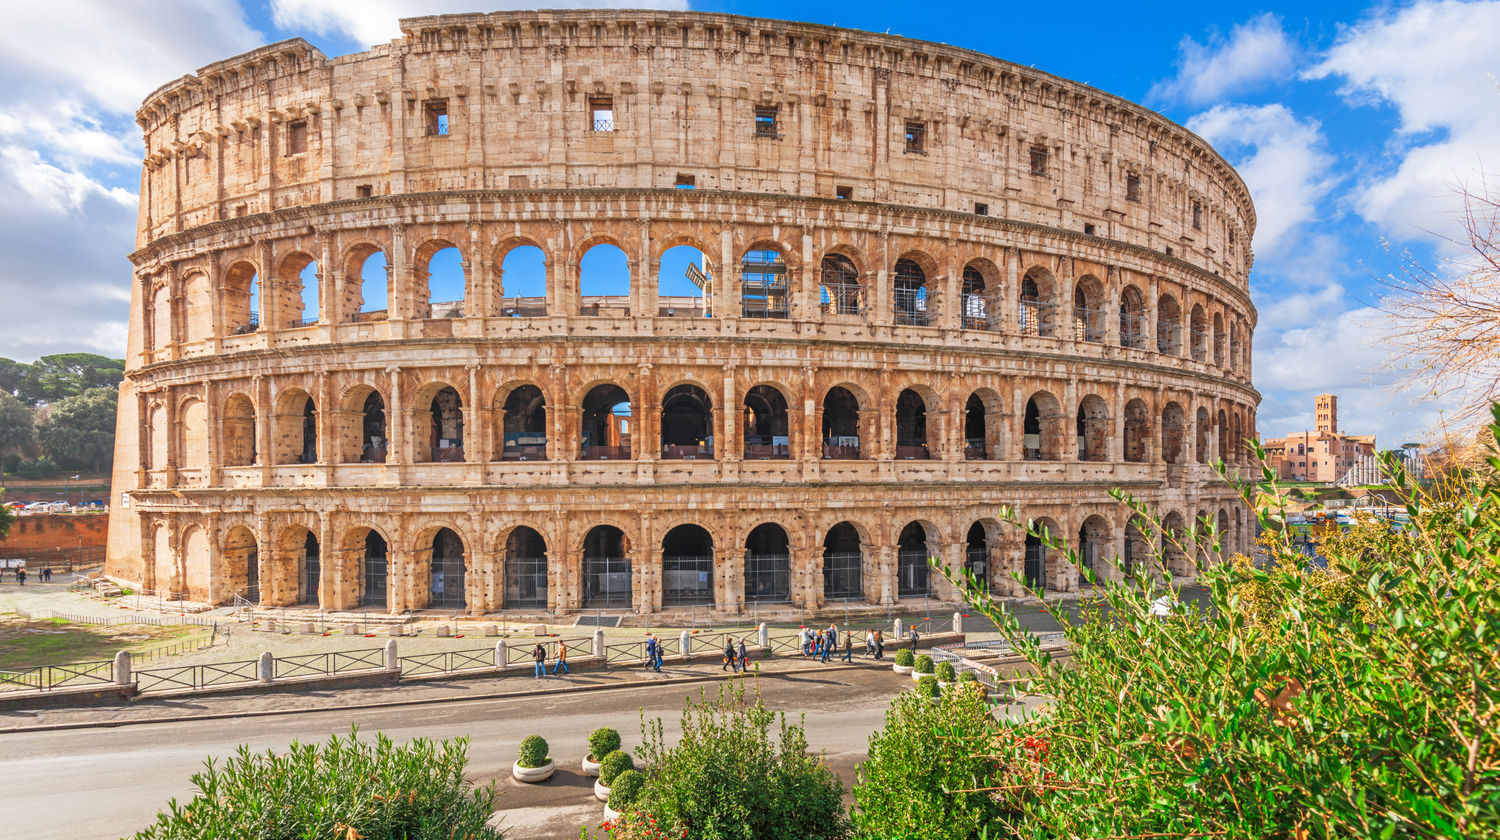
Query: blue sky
[[1351, 123]]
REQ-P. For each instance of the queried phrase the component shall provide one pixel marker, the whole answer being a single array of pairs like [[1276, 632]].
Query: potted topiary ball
[[946, 673], [923, 667], [623, 793], [533, 764], [613, 765], [968, 677], [602, 742], [927, 686], [903, 661]]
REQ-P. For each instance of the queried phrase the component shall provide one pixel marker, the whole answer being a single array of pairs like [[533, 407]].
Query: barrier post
[[392, 658], [267, 667], [599, 642], [122, 668], [500, 655], [958, 622]]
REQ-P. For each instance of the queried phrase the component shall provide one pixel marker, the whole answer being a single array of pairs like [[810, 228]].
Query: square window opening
[[364, 191], [686, 182], [602, 113], [437, 117], [981, 209], [845, 193], [296, 137], [1088, 229], [1133, 188], [1197, 216], [1038, 160], [765, 122], [916, 137]]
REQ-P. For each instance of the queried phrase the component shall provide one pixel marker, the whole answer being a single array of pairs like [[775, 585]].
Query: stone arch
[[1038, 293], [605, 428], [844, 548], [764, 282], [841, 424], [1137, 558], [1198, 334], [298, 567], [687, 566], [442, 556], [239, 431], [294, 430], [768, 564], [1137, 431], [438, 424], [364, 434], [159, 433], [687, 423], [1222, 426], [521, 421], [604, 277], [1038, 563], [522, 277], [840, 291], [685, 279], [197, 294], [242, 298], [439, 272], [367, 283], [1175, 538], [984, 426], [1132, 318], [1094, 428], [1218, 339], [197, 563], [911, 426], [980, 301], [240, 560], [192, 437], [1093, 549], [917, 541], [1042, 427], [1168, 325], [767, 425], [979, 551], [296, 299], [912, 299], [1202, 424], [1173, 432], [525, 569], [1088, 309], [607, 577]]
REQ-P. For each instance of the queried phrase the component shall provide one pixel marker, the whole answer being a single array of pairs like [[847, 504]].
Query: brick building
[[1323, 455]]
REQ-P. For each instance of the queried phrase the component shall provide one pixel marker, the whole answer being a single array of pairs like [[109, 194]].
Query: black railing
[[524, 452], [604, 453], [687, 452]]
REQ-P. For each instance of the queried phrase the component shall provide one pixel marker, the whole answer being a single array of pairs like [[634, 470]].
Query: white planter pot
[[601, 792], [590, 768], [610, 813], [532, 775], [901, 669], [917, 676]]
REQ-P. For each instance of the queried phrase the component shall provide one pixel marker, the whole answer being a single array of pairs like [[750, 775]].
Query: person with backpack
[[562, 658], [914, 637], [539, 657], [869, 643], [730, 660], [651, 644], [848, 647], [879, 644]]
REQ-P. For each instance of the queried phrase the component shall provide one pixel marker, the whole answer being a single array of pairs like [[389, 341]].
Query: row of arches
[[442, 568], [437, 280], [849, 426]]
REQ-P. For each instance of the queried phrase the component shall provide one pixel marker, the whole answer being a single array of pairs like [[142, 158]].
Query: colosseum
[[922, 284]]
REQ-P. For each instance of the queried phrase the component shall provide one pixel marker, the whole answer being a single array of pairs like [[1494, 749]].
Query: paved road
[[105, 783]]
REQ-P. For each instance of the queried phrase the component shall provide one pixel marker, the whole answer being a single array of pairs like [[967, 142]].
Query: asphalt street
[[83, 784]]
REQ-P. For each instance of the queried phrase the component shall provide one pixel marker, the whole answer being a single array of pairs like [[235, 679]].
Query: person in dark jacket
[[730, 660], [539, 657], [744, 656], [652, 658], [848, 647], [879, 644]]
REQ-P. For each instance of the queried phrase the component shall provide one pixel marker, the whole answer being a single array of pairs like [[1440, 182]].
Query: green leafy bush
[[533, 752], [905, 658], [927, 686], [917, 785], [602, 742], [627, 786], [946, 672], [40, 468], [345, 788], [924, 664], [968, 677], [731, 778], [614, 764]]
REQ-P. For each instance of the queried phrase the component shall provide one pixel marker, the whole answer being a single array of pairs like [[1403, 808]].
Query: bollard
[[685, 643], [491, 630], [599, 643], [897, 635], [958, 622], [500, 655], [122, 668], [392, 659], [267, 667], [763, 635]]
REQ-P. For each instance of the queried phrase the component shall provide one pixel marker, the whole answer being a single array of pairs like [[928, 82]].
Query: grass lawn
[[25, 643]]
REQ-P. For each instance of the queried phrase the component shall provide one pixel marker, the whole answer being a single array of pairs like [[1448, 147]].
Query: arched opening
[[976, 430], [911, 299], [374, 571], [763, 284], [1225, 538], [1132, 318], [448, 568], [1088, 316], [369, 279], [523, 425], [840, 292], [768, 564], [1218, 340], [242, 563], [840, 425], [604, 282], [1036, 303], [1168, 326], [192, 438], [1198, 334], [1093, 429], [161, 317], [523, 283], [1042, 428], [445, 426], [297, 292], [606, 424], [442, 274], [911, 561], [199, 296], [1034, 570], [160, 431], [296, 432], [977, 554], [1234, 346], [606, 568], [687, 424], [1177, 560], [1223, 427], [687, 567], [373, 443], [843, 563], [1137, 431], [684, 284], [1137, 548], [1200, 439], [302, 558], [239, 431], [1093, 548], [1173, 432], [911, 426], [242, 294], [979, 310], [766, 425], [525, 569]]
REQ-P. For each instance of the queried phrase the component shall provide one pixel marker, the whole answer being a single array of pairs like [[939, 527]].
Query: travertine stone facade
[[938, 283]]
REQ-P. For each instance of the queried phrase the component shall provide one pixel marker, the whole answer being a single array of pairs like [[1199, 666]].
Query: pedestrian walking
[[21, 576], [869, 643], [879, 644], [650, 651], [730, 660], [914, 637], [825, 648], [848, 647], [562, 658], [744, 655], [804, 642], [833, 637], [660, 653], [539, 657]]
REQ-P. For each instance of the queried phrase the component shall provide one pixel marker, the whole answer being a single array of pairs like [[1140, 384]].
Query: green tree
[[6, 517], [80, 431], [17, 426], [52, 378]]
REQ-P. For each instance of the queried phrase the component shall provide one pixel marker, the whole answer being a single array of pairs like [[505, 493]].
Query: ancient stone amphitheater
[[927, 283]]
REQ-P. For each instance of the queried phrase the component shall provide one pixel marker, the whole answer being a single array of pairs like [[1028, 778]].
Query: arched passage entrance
[[977, 554], [606, 424], [524, 431], [912, 551], [687, 424], [525, 569], [1093, 546], [606, 568], [687, 567], [448, 569], [242, 563], [911, 426], [843, 563], [766, 425], [768, 565], [840, 425]]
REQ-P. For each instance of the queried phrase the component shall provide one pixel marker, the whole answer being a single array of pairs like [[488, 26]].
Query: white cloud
[[1255, 52], [1435, 63], [1282, 159], [375, 21]]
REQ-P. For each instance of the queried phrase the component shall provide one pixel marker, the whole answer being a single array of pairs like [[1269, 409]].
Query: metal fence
[[324, 664], [196, 676], [447, 661], [47, 677]]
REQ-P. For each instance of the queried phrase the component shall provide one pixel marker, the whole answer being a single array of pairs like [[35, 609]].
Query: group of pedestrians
[[539, 657], [823, 644], [45, 575], [736, 655]]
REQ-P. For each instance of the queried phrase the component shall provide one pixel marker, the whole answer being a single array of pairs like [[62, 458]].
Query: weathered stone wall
[[56, 530], [1070, 296]]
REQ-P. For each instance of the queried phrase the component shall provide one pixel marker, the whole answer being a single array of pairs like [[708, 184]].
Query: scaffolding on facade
[[763, 285]]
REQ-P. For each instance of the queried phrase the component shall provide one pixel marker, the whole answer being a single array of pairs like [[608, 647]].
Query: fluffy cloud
[[70, 155], [1282, 159], [374, 21], [1255, 52], [1435, 64]]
